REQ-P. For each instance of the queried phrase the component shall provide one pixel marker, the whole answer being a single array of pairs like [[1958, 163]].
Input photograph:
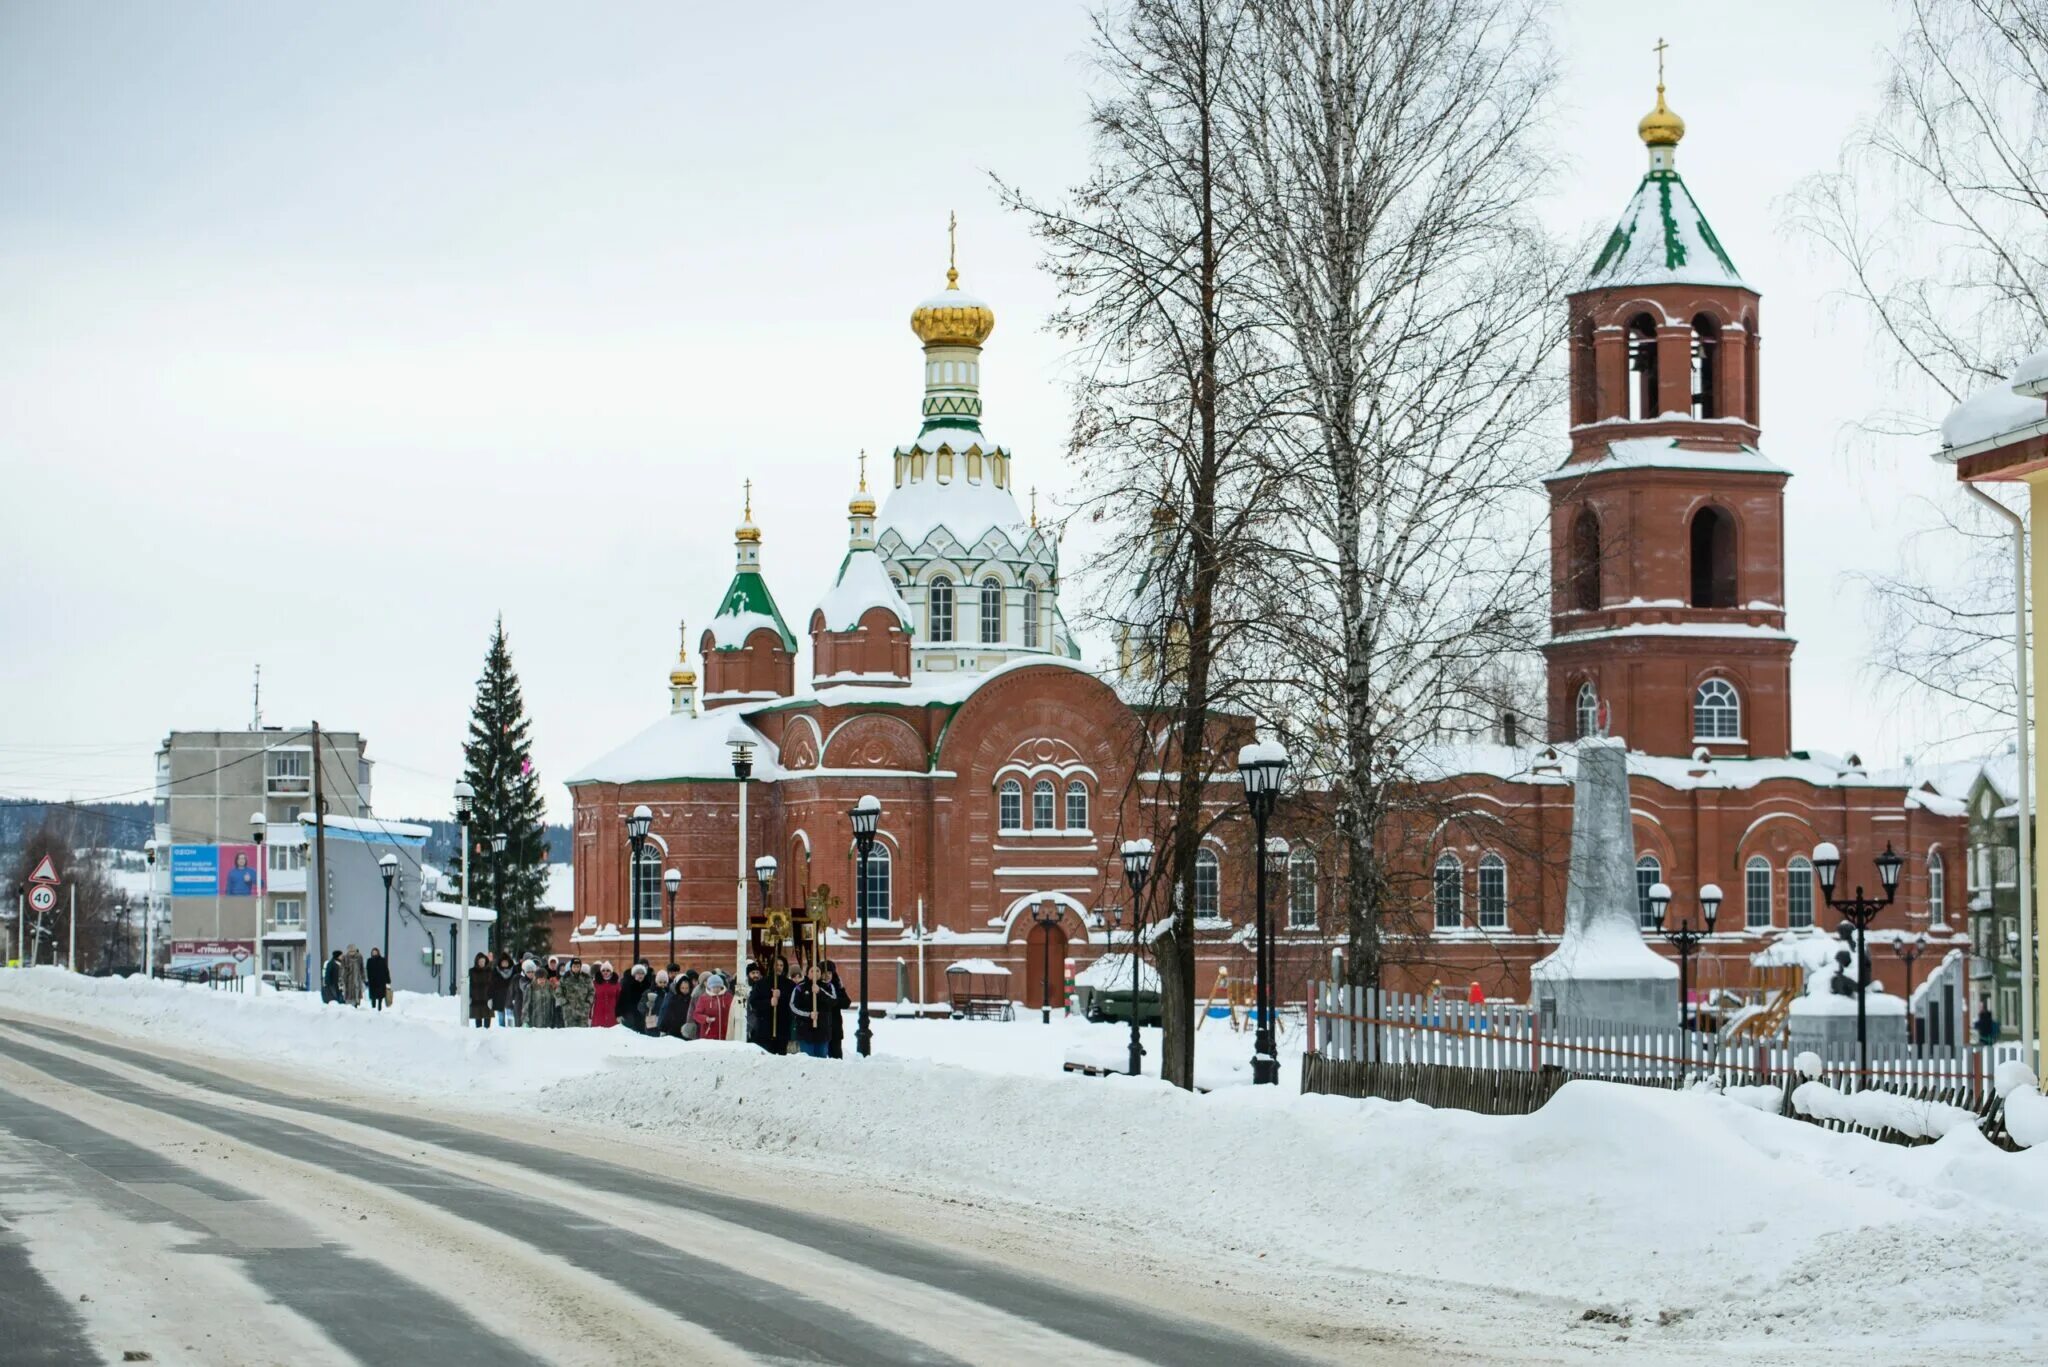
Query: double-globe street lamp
[[637, 823], [1858, 912], [1686, 938], [866, 816], [1261, 765], [1046, 915], [1137, 869]]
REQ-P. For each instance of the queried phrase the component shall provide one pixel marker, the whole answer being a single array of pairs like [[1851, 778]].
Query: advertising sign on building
[[216, 870], [215, 951]]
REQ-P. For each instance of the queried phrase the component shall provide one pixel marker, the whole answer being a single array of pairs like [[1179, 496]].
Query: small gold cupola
[[952, 318], [682, 680], [1661, 130]]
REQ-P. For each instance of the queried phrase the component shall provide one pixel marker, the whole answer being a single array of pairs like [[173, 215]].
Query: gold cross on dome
[[1034, 505], [683, 631], [863, 469], [747, 515], [952, 250], [1659, 50]]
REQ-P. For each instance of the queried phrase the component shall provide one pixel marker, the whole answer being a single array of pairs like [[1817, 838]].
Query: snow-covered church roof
[[681, 746], [2006, 409], [863, 584], [1662, 239], [746, 608]]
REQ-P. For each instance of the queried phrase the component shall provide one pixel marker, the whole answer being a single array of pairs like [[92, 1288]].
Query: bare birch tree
[[1393, 149], [1149, 254], [1937, 215]]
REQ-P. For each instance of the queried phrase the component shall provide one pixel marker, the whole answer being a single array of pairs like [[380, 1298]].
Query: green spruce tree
[[497, 761]]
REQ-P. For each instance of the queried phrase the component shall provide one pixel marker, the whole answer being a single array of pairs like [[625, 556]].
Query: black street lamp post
[[672, 880], [637, 824], [1858, 912], [388, 868], [1137, 868], [764, 874], [1909, 952], [1047, 915], [1261, 764], [1686, 938], [867, 815], [497, 936]]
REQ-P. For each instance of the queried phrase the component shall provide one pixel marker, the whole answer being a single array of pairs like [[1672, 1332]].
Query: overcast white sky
[[331, 331]]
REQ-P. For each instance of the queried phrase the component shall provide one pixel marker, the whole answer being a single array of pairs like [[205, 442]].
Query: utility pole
[[72, 955], [318, 881]]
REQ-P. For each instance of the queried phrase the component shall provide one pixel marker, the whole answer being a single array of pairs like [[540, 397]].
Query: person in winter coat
[[482, 978], [808, 1023], [674, 1014], [505, 973], [785, 1005], [604, 998], [330, 978], [541, 1003], [352, 976], [713, 1010], [377, 975], [1988, 1029], [579, 994], [515, 996], [832, 1009], [636, 985], [760, 1008], [689, 985]]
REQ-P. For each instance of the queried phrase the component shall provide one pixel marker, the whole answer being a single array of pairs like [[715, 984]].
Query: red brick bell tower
[[1667, 526]]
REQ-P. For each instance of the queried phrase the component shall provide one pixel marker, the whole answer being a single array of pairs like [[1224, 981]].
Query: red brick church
[[943, 680]]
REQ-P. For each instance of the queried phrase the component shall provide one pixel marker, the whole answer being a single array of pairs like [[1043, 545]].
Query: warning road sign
[[46, 872], [43, 898]]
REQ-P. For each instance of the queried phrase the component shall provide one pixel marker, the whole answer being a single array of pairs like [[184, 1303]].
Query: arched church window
[[1493, 892], [1713, 559], [1799, 893], [1208, 886], [1649, 873], [1756, 893], [1716, 711], [1585, 561], [1642, 364], [1450, 892], [1030, 616], [974, 467], [1077, 805], [649, 877], [1706, 367], [874, 899], [1586, 712], [1042, 813], [1301, 890], [945, 464], [1937, 888], [991, 611], [939, 609], [1010, 805]]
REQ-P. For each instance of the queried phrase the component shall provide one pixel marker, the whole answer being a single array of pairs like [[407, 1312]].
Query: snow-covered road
[[1618, 1224]]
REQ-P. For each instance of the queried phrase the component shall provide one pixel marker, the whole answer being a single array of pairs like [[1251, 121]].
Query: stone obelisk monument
[[1601, 970]]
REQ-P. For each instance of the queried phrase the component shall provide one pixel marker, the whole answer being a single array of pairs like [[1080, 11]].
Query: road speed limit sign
[[42, 897]]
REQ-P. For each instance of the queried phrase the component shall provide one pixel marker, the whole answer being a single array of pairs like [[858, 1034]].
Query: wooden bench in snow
[[979, 989]]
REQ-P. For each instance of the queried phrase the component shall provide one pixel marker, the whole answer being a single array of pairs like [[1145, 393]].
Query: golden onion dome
[[952, 317], [747, 533], [682, 676], [862, 505], [1660, 127]]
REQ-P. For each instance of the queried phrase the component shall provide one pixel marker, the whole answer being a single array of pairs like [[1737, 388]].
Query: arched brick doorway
[[1037, 954]]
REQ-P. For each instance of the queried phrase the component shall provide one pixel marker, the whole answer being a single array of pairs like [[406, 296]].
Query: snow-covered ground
[[1701, 1220]]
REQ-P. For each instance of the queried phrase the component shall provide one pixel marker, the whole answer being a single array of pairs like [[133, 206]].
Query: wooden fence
[[1505, 1060]]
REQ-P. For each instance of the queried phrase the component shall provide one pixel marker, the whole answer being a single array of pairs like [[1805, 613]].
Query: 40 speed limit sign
[[42, 897]]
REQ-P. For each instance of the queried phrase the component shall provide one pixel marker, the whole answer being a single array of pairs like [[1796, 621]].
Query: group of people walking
[[348, 977], [778, 1011]]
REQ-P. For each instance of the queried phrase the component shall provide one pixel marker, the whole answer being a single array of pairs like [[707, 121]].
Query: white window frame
[[1493, 900], [1030, 616], [1755, 865], [1208, 885], [652, 904], [938, 610], [1301, 890], [1448, 863], [880, 884], [1646, 915], [1010, 805], [1045, 812], [1798, 875], [1586, 711], [1937, 886], [288, 912], [991, 611], [1716, 710], [1075, 805]]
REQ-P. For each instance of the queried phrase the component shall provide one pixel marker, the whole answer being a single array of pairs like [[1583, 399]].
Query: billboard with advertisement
[[196, 953], [216, 870]]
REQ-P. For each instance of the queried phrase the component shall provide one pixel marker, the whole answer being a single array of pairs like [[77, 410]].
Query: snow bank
[[1631, 1199], [1882, 1110], [2026, 1111]]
